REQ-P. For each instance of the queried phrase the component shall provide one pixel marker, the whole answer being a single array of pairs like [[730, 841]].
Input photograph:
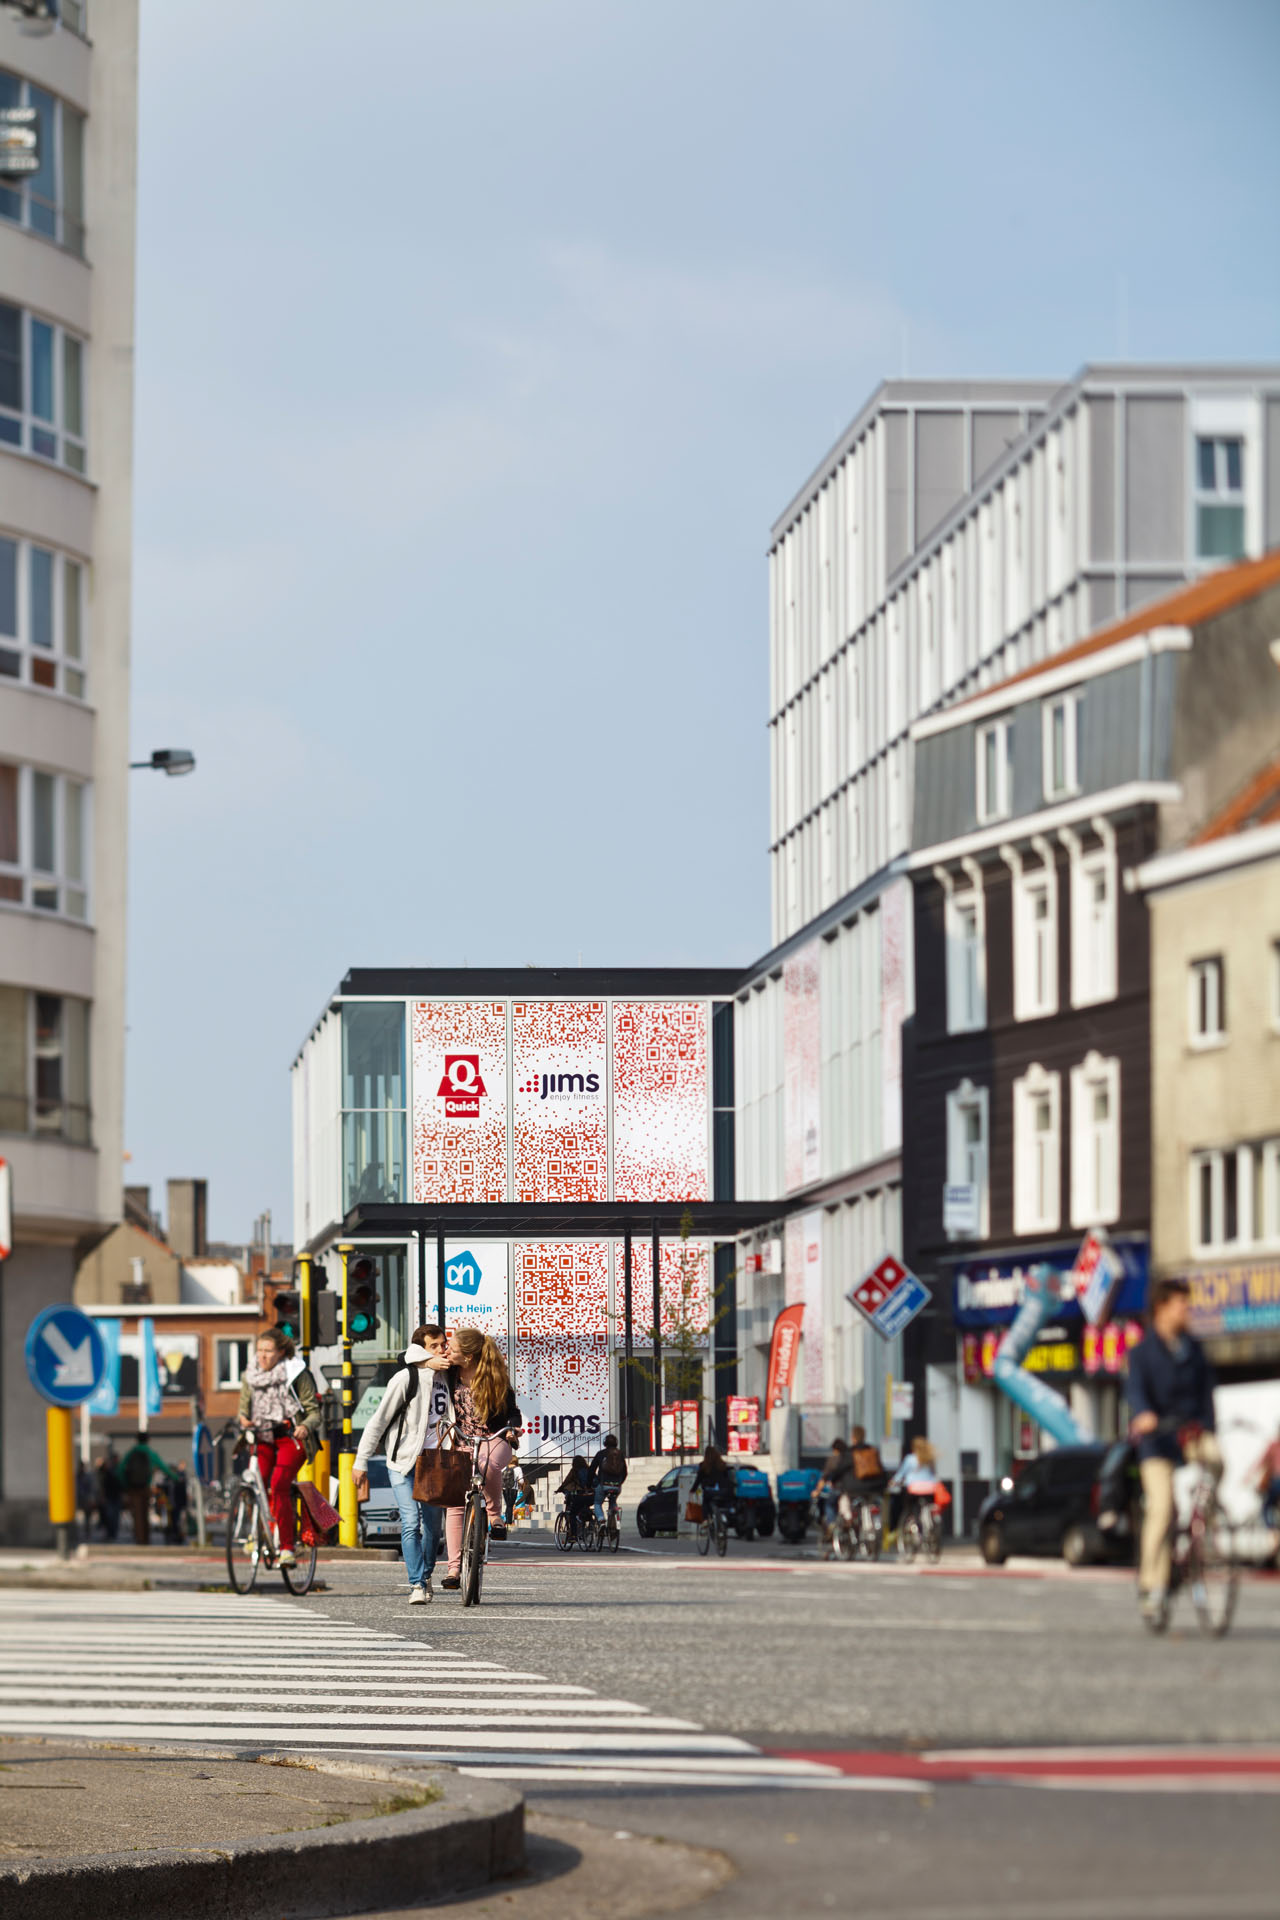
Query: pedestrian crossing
[[211, 1669]]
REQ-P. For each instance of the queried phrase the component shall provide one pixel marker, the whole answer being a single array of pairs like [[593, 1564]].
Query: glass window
[[995, 743], [41, 598], [1208, 1001], [75, 1066], [10, 658], [966, 962], [76, 899], [1035, 935], [13, 1059], [373, 1054], [1060, 731], [11, 395], [72, 180], [42, 186], [1220, 529], [1095, 1142], [42, 370], [10, 841], [233, 1357], [1036, 1206], [43, 810]]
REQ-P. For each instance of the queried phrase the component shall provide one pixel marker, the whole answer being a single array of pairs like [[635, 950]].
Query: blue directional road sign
[[65, 1355]]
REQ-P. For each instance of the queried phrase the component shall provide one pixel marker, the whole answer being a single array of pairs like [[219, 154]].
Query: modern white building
[[956, 533], [66, 452]]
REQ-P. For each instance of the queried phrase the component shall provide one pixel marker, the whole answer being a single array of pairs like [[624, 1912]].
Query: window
[[51, 200], [1095, 1142], [1208, 1008], [1235, 1197], [233, 1356], [966, 961], [41, 618], [1220, 499], [967, 1147], [373, 1101], [44, 841], [1037, 1152], [44, 1065], [1035, 941], [995, 770], [41, 388], [1060, 724], [1093, 927]]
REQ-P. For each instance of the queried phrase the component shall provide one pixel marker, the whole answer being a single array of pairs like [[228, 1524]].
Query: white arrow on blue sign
[[65, 1356]]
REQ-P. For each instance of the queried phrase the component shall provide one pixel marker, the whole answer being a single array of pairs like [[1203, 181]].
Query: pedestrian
[[484, 1407], [136, 1471], [176, 1519], [512, 1491], [408, 1420], [1170, 1393], [109, 1492], [278, 1400]]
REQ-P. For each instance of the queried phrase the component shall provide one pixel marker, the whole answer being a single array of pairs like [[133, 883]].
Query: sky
[[479, 344]]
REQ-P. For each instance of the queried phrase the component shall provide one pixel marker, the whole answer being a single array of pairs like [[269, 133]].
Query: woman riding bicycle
[[915, 1478], [484, 1407], [278, 1400], [714, 1480], [578, 1491]]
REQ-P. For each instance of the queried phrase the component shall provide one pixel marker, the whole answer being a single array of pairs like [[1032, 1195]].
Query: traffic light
[[362, 1302], [287, 1308], [324, 1319]]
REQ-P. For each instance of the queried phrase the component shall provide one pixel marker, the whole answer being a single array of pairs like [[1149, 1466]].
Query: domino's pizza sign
[[889, 1296]]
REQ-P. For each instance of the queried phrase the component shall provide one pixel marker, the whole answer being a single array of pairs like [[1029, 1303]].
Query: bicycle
[[920, 1529], [251, 1533], [858, 1532], [575, 1531], [608, 1530], [1199, 1560], [714, 1525]]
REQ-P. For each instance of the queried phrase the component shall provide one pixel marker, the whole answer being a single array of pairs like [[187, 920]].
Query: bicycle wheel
[[872, 1530], [931, 1528], [704, 1536], [842, 1539], [722, 1535], [587, 1533], [564, 1533], [1213, 1577], [475, 1529], [615, 1536], [244, 1543], [298, 1579], [908, 1537]]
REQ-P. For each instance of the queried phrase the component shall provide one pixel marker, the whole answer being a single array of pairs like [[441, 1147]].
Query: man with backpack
[[416, 1404], [608, 1471], [136, 1470]]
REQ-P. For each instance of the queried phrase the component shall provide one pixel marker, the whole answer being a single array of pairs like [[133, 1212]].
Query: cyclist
[[483, 1405], [278, 1400], [410, 1415], [837, 1478], [576, 1488], [608, 1471], [915, 1476], [714, 1480], [1170, 1393]]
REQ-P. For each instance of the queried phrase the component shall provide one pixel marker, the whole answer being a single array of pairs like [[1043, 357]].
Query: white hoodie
[[420, 1427]]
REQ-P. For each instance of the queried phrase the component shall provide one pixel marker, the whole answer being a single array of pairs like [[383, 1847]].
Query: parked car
[[657, 1510], [754, 1511], [1050, 1507], [379, 1514]]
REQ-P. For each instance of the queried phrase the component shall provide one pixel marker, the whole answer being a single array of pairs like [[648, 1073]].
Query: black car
[[1050, 1508], [753, 1511]]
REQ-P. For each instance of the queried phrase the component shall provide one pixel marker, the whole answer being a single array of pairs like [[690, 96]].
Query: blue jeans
[[609, 1493], [419, 1529]]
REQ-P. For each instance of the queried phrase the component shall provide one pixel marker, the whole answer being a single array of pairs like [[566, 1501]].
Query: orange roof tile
[[1188, 607], [1256, 805]]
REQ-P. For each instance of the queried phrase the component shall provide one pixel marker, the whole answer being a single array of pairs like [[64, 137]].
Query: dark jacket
[[837, 1469], [1174, 1383], [717, 1481], [600, 1474], [576, 1484], [508, 1415]]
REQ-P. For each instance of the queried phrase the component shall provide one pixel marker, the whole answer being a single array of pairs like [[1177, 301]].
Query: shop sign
[[960, 1208], [1100, 1351], [744, 1423], [890, 1296], [1240, 1299], [1097, 1273], [902, 1400], [783, 1349], [679, 1427], [765, 1259], [989, 1292], [1107, 1349]]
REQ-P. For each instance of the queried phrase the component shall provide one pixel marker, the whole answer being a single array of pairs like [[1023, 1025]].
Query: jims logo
[[560, 1086], [461, 1086], [544, 1425]]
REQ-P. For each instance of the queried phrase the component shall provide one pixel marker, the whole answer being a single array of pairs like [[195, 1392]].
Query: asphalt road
[[895, 1675]]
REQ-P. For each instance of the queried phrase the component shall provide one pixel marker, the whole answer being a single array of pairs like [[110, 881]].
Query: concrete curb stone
[[472, 1834]]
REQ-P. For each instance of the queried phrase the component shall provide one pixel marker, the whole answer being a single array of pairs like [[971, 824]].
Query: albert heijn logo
[[461, 1087], [462, 1273]]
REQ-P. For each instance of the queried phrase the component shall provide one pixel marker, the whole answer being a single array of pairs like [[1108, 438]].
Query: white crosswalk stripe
[[210, 1669]]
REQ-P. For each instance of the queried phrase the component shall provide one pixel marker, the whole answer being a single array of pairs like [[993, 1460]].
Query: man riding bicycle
[[608, 1471], [1170, 1393]]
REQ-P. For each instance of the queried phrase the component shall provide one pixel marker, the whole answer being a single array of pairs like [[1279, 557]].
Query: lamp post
[[169, 760]]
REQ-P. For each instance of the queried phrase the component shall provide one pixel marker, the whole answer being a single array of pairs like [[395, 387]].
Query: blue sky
[[479, 344]]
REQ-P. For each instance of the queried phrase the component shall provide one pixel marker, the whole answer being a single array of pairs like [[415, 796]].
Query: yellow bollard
[[62, 1474], [348, 1505]]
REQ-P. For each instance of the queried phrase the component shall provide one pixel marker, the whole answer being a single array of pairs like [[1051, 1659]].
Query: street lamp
[[170, 760]]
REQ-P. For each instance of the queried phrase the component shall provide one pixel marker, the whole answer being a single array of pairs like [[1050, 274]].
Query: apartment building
[[66, 425], [957, 534]]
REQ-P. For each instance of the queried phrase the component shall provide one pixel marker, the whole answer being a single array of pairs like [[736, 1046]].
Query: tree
[[688, 1319]]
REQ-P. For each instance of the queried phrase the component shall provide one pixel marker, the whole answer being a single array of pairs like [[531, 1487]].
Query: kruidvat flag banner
[[150, 1366], [783, 1351], [105, 1398]]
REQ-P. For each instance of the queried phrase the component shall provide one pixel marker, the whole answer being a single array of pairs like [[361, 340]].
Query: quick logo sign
[[461, 1086]]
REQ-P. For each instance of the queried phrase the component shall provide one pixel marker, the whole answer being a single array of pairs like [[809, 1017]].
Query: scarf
[[271, 1398]]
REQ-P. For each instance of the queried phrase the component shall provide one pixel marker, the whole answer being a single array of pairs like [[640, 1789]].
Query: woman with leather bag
[[484, 1405]]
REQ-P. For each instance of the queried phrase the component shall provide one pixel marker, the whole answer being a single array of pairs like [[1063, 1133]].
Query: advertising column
[[561, 1370]]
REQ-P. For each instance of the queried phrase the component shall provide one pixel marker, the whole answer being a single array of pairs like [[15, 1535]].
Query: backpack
[[613, 1467], [410, 1394], [137, 1469]]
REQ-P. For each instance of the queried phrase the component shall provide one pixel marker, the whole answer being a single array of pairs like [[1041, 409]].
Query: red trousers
[[278, 1463]]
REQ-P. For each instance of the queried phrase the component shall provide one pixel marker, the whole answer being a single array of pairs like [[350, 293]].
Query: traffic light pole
[[306, 1471], [348, 1507]]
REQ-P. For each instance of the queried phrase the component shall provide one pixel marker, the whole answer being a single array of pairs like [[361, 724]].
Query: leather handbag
[[441, 1476], [693, 1511]]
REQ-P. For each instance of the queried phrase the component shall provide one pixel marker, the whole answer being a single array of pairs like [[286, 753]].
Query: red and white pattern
[[660, 1100], [561, 1361], [684, 1279], [459, 1160], [802, 1052], [560, 1119]]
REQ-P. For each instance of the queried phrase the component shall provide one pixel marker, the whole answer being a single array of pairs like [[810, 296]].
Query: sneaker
[[1153, 1604], [451, 1583], [286, 1558], [419, 1596], [497, 1530]]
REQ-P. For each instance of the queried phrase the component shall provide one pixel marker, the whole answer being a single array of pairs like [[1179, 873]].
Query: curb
[[471, 1835]]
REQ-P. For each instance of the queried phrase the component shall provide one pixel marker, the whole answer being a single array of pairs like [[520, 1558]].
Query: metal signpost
[[66, 1361]]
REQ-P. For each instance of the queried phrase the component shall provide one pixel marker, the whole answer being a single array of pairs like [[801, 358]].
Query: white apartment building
[[66, 453], [957, 532]]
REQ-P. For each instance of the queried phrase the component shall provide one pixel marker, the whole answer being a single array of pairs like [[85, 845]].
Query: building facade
[[957, 534], [66, 435], [1028, 1063]]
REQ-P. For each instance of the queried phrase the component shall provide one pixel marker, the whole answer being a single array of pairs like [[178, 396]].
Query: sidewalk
[[181, 1834]]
